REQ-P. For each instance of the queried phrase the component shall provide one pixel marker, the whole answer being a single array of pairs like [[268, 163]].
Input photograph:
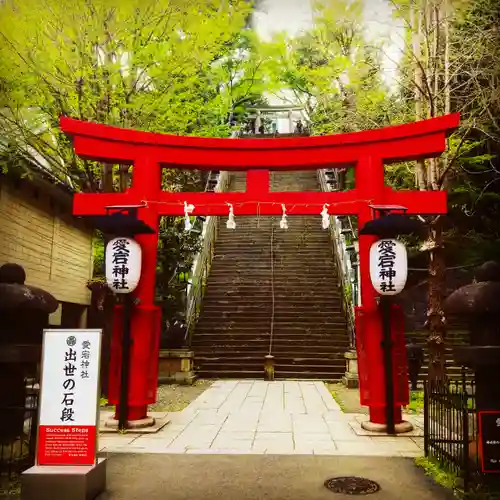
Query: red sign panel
[[489, 441], [61, 444]]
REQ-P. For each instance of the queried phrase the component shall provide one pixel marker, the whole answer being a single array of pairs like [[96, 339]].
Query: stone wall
[[54, 248]]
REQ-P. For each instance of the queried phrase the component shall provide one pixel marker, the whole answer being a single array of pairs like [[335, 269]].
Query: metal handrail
[[347, 272], [202, 263]]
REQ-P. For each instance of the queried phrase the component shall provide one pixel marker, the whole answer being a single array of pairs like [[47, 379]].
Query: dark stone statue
[[478, 304], [24, 313]]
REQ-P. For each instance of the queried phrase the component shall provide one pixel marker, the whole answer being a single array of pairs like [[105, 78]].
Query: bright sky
[[294, 16]]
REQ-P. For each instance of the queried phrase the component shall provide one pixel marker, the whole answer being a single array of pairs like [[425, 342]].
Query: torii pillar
[[367, 151]]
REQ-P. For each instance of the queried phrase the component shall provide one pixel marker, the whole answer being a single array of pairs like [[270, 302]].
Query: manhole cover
[[352, 485]]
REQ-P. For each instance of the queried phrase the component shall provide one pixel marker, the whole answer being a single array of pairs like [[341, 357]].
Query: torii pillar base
[[400, 428], [143, 423]]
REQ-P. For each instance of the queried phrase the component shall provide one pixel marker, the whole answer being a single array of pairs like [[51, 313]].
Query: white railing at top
[[203, 262], [348, 274]]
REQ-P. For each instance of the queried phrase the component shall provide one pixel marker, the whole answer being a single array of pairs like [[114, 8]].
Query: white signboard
[[123, 264], [69, 397], [388, 266]]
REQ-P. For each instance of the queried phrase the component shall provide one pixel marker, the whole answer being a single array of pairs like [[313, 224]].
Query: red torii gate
[[148, 152]]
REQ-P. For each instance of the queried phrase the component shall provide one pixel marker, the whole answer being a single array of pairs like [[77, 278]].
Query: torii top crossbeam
[[148, 152]]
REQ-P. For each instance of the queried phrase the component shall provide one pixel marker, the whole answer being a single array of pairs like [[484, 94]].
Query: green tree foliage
[[334, 72], [458, 63], [173, 66], [156, 65], [475, 52]]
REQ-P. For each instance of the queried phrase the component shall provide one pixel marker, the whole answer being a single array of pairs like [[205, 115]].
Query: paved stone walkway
[[257, 417]]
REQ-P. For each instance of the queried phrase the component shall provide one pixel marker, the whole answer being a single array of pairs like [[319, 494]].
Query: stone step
[[221, 285], [289, 344], [234, 264], [279, 273], [331, 338], [261, 350], [264, 258], [265, 326], [279, 267], [328, 370], [319, 240], [251, 247], [236, 321], [264, 280], [279, 346], [296, 227], [317, 302], [290, 237], [284, 317], [213, 295], [309, 352], [281, 358], [260, 353], [279, 330], [279, 375], [259, 295], [283, 323], [314, 303], [268, 221], [281, 310]]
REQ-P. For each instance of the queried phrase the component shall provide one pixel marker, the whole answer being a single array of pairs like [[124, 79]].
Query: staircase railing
[[202, 263], [346, 253]]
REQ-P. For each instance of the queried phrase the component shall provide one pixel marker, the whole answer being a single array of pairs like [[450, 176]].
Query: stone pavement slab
[[257, 417], [255, 477]]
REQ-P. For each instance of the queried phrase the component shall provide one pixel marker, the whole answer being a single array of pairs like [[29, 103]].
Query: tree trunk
[[435, 314], [416, 22], [427, 80], [437, 266]]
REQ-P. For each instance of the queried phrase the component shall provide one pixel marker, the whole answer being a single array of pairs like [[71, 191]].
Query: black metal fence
[[18, 433], [450, 428]]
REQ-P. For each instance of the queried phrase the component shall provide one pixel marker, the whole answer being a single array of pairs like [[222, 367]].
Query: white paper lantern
[[123, 264], [388, 266]]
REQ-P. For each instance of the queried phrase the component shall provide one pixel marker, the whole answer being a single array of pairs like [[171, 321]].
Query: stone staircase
[[309, 332]]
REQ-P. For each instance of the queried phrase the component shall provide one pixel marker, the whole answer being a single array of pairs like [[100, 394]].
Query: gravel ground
[[174, 397], [348, 399]]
